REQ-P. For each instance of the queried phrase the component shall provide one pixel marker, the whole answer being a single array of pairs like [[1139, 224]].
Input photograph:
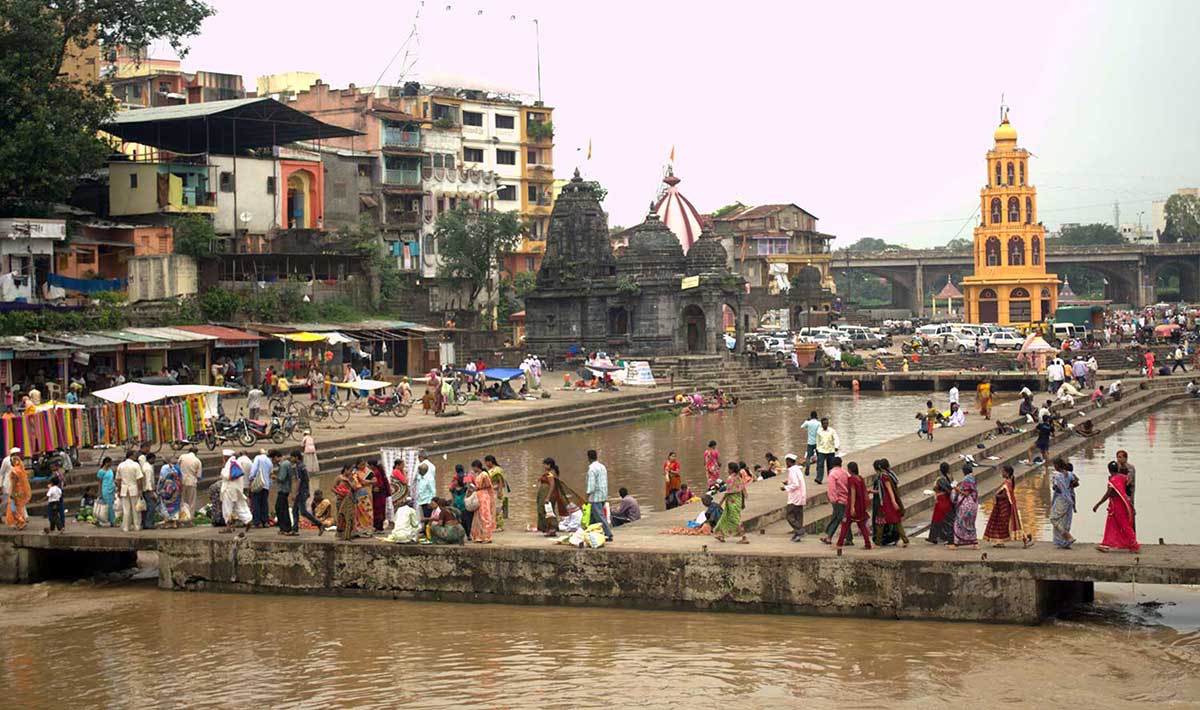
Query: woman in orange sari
[[483, 524], [20, 493], [1118, 529], [364, 511], [671, 475]]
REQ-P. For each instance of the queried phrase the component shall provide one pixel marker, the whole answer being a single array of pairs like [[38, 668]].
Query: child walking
[[54, 506]]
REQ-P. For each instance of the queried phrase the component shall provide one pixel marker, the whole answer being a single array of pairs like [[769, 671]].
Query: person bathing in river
[[673, 480]]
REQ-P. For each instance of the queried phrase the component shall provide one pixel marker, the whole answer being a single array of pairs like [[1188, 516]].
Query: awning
[[26, 347], [333, 338], [139, 393], [87, 341], [368, 385], [503, 374], [211, 126], [132, 337]]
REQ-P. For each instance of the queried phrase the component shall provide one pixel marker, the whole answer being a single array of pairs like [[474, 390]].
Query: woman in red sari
[[941, 528], [1004, 524], [1118, 529], [483, 523], [381, 491], [671, 475]]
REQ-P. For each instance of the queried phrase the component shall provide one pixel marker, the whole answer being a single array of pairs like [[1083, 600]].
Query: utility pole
[[1117, 215], [537, 40]]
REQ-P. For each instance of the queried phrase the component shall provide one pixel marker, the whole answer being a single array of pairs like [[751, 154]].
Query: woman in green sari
[[557, 495], [732, 506]]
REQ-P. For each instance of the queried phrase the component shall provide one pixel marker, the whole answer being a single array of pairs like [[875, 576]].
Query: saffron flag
[[672, 154], [589, 149]]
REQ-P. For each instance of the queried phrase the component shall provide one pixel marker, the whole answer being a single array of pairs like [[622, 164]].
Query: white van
[[1065, 331]]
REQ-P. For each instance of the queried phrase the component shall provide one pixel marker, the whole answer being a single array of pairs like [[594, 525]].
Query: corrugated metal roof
[[221, 332], [174, 335], [19, 343], [86, 340], [130, 337]]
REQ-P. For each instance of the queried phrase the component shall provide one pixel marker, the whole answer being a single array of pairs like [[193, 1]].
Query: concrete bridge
[[1133, 272]]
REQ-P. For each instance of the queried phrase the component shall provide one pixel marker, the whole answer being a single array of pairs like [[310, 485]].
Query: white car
[[1005, 340], [963, 342]]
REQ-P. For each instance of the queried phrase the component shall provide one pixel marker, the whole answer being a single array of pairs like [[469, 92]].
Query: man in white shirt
[[190, 471], [797, 496], [1055, 374], [129, 481], [254, 402], [953, 394], [233, 493], [573, 521], [957, 416], [425, 484], [149, 490]]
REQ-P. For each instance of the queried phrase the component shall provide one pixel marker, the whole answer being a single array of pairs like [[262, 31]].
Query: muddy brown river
[[126, 645]]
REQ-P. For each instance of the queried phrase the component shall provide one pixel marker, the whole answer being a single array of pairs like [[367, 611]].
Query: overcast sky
[[873, 116]]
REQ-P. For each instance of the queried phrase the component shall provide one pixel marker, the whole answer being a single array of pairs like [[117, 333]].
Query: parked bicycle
[[322, 410]]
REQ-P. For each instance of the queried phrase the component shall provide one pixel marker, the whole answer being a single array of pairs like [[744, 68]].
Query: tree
[[1090, 234], [1183, 219], [960, 243], [871, 244], [472, 245], [194, 236], [49, 122], [729, 208]]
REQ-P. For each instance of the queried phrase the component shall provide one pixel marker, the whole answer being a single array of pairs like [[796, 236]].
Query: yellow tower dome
[[1005, 131]]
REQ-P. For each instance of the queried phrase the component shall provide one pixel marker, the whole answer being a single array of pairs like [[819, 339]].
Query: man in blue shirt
[[811, 425], [597, 492]]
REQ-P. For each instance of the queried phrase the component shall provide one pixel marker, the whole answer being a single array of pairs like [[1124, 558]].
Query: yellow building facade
[[1010, 285]]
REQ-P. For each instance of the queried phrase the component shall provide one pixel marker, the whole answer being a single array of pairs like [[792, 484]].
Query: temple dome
[[707, 256], [653, 249], [677, 213], [1005, 132]]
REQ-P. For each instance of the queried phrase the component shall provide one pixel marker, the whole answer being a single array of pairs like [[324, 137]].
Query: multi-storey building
[[1010, 285], [771, 244], [138, 81]]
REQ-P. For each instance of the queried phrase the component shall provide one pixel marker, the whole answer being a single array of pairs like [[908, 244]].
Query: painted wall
[[126, 199], [153, 278], [252, 196]]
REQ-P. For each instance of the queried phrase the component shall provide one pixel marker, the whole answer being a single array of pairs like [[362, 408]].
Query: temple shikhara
[[1010, 285]]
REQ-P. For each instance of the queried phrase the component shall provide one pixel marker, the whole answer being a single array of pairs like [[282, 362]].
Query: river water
[[130, 644]]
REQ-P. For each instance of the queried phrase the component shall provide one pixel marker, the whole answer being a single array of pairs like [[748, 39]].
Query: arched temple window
[[991, 250], [1035, 251], [996, 210], [1010, 173], [1019, 307], [1028, 210], [1014, 210], [1022, 165], [1016, 253], [988, 306], [998, 183]]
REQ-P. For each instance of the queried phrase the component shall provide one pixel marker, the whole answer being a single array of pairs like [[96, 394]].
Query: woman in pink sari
[[1118, 529], [484, 522]]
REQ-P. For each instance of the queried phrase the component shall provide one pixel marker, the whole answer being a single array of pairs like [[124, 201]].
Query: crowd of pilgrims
[[404, 506]]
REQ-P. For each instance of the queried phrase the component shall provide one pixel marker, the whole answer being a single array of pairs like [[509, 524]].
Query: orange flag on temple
[[672, 154]]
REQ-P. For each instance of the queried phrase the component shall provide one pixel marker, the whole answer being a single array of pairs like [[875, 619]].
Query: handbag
[[256, 484], [140, 506], [472, 502], [100, 511]]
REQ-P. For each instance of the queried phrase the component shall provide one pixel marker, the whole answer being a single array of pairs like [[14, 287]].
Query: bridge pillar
[[1144, 288], [918, 292]]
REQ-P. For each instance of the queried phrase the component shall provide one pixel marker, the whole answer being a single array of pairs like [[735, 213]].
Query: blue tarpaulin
[[85, 285], [503, 374]]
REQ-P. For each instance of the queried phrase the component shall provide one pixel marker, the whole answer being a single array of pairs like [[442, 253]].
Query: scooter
[[377, 405]]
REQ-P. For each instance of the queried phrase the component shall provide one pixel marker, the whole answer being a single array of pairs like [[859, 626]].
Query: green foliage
[[541, 130], [851, 361], [100, 317], [626, 286], [729, 209], [960, 243], [871, 245], [1089, 235], [1183, 219], [218, 304], [1086, 284], [472, 245], [49, 123], [444, 122], [600, 191], [657, 415], [363, 238], [195, 236], [524, 283]]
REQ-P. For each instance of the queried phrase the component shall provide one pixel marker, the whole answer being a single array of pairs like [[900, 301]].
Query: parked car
[[961, 341], [1005, 340]]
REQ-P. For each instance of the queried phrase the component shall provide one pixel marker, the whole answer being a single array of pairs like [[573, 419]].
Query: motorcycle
[[201, 437], [381, 404], [226, 430], [269, 429], [920, 347]]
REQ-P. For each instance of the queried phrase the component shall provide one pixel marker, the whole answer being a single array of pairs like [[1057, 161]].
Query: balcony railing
[[396, 137], [405, 218], [402, 178]]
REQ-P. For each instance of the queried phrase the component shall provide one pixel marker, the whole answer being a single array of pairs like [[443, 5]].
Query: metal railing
[[396, 137], [403, 178]]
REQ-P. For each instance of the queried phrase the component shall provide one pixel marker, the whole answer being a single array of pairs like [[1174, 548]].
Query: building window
[[132, 181], [996, 204], [992, 251], [507, 193], [1028, 210], [529, 263], [1016, 253], [532, 193], [531, 156], [503, 121], [1014, 210], [443, 160], [997, 183], [472, 118], [1010, 173], [364, 170], [1022, 165], [769, 246], [86, 256], [472, 155], [506, 157], [1035, 251], [270, 184], [226, 182]]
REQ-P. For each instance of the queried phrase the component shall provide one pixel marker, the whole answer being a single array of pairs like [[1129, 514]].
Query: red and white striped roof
[[677, 213]]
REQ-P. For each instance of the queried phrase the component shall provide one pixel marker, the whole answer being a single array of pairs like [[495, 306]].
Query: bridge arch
[[1175, 280]]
